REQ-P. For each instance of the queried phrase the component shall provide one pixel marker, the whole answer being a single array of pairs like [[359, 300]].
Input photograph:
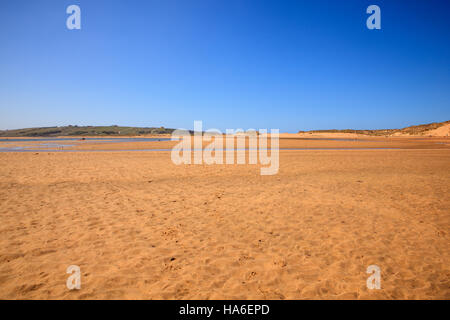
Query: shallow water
[[58, 146], [85, 139], [329, 139], [22, 149]]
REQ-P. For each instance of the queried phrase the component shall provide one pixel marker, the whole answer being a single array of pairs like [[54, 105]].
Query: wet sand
[[141, 227], [287, 141]]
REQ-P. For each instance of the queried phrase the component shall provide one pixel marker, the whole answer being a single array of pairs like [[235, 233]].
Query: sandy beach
[[141, 227]]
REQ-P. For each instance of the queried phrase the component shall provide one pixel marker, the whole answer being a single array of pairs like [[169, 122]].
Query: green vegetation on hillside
[[83, 131]]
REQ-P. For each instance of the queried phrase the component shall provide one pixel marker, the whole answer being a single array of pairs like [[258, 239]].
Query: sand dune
[[443, 131]]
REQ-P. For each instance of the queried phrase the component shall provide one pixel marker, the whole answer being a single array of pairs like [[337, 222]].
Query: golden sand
[[141, 227]]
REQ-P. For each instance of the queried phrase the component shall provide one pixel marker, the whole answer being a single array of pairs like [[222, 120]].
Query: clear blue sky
[[292, 65]]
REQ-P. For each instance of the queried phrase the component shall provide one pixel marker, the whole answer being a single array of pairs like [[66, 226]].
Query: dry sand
[[141, 227]]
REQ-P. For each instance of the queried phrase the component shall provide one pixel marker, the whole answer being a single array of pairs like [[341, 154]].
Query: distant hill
[[83, 131], [434, 129]]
